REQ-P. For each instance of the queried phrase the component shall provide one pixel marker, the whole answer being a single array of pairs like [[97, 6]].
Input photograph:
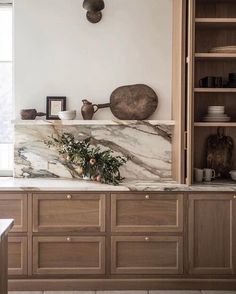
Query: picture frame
[[54, 106]]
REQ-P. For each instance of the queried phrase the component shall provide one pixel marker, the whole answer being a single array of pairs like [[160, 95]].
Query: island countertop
[[34, 185]]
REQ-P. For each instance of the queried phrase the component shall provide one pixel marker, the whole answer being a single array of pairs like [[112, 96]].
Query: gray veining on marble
[[148, 146]]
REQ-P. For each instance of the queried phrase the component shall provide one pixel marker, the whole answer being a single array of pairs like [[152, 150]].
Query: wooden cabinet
[[212, 234], [59, 212], [68, 255], [147, 212], [147, 255], [14, 205], [17, 256]]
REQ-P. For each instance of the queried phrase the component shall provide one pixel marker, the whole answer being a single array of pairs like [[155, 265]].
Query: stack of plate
[[216, 114]]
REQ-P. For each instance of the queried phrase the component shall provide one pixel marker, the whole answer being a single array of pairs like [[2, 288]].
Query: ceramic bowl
[[67, 115], [233, 175]]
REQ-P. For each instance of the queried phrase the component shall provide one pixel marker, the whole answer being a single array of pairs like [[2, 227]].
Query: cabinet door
[[14, 206], [147, 212], [147, 255], [17, 256], [68, 212], [68, 255], [212, 231]]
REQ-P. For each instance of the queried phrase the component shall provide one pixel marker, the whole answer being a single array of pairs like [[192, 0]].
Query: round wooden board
[[135, 102]]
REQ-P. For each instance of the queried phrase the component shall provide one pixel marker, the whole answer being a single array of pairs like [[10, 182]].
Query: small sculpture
[[220, 153]]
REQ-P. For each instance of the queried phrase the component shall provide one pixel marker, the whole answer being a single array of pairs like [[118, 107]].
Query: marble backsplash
[[148, 144]]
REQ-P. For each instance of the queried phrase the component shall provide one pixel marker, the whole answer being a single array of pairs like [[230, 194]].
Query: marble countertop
[[27, 185], [5, 226]]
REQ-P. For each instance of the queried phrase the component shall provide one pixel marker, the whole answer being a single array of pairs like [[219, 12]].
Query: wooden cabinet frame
[[37, 227], [147, 197], [21, 271], [68, 271], [178, 269], [8, 196], [194, 242]]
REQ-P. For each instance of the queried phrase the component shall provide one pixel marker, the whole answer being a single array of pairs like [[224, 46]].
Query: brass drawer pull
[[68, 239], [147, 197], [234, 197], [68, 197], [147, 239]]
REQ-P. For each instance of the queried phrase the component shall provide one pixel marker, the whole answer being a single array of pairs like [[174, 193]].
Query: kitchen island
[[5, 226]]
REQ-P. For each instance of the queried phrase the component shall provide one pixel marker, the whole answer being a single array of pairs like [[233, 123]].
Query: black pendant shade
[[94, 5]]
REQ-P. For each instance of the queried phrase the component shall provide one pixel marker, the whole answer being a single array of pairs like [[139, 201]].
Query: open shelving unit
[[212, 23]]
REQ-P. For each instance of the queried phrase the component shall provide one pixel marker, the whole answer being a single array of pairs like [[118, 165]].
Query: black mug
[[211, 82]]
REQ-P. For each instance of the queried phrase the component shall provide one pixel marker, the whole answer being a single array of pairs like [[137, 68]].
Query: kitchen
[[121, 118]]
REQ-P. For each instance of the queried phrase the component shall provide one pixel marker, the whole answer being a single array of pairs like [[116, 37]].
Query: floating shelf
[[215, 56], [215, 124], [215, 22], [215, 90]]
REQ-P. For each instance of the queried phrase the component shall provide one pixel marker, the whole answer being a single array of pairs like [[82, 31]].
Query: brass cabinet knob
[[147, 238], [147, 197], [68, 197], [68, 239], [234, 197]]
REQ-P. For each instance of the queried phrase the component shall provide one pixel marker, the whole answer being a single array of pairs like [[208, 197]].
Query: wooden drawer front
[[212, 231], [17, 255], [147, 255], [147, 213], [69, 255], [14, 206], [69, 212]]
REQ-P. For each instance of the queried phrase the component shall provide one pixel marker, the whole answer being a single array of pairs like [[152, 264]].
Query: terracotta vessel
[[88, 109]]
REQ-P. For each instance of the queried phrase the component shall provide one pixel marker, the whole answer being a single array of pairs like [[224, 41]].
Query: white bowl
[[67, 115], [233, 175]]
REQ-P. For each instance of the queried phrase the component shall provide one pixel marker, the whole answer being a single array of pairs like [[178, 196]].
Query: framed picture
[[54, 106]]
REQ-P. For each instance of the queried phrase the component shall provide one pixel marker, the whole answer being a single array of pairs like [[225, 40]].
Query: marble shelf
[[91, 122]]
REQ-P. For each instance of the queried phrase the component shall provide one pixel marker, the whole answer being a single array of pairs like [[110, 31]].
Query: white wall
[[58, 52]]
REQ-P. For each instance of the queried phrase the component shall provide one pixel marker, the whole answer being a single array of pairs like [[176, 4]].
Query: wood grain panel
[[17, 256], [147, 255], [68, 255], [211, 229], [147, 213], [68, 212], [216, 9], [14, 206]]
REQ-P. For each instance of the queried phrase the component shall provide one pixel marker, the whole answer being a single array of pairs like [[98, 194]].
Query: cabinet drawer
[[14, 206], [68, 212], [147, 255], [17, 256], [212, 231], [147, 213], [69, 255]]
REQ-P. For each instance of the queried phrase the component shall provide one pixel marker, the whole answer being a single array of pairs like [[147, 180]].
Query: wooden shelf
[[215, 124], [215, 56], [215, 22], [215, 90]]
